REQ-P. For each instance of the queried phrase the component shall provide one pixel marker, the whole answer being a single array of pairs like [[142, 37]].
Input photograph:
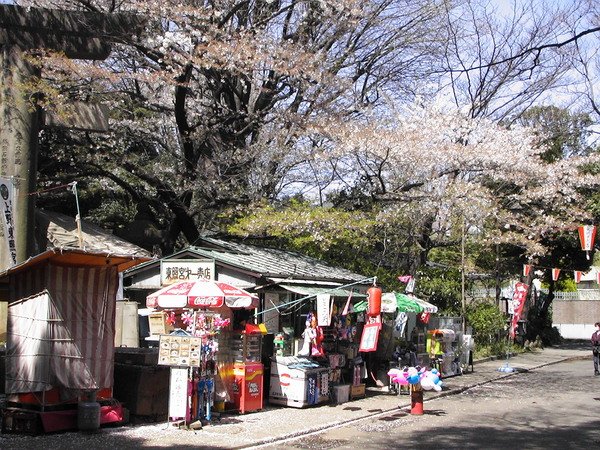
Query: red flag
[[518, 301], [345, 311], [555, 274], [577, 276], [526, 269], [424, 317]]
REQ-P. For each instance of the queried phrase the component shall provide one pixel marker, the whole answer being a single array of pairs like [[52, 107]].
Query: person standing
[[596, 347]]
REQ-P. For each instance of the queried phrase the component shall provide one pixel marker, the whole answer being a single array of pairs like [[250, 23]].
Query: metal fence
[[581, 294]]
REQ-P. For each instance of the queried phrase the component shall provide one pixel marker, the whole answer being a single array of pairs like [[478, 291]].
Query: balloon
[[413, 375], [428, 379], [413, 379], [427, 384], [402, 381], [394, 372]]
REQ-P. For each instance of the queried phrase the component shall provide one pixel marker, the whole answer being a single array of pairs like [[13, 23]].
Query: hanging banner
[[405, 278], [526, 269], [577, 276], [323, 310], [587, 235], [400, 324], [410, 287], [369, 338], [518, 301], [555, 274], [7, 199], [389, 304]]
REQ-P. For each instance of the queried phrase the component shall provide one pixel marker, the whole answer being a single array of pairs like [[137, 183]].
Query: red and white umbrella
[[201, 294]]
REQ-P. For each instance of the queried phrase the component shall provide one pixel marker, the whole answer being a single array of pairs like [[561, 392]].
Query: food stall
[[326, 365], [60, 341], [213, 365], [403, 340]]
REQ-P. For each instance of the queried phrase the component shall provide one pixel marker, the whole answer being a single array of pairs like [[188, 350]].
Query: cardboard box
[[341, 393], [158, 324], [358, 391]]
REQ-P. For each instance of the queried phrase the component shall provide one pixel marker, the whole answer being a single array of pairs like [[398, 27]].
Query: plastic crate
[[21, 421]]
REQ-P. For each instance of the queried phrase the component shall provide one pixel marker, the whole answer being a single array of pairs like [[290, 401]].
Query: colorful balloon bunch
[[428, 379]]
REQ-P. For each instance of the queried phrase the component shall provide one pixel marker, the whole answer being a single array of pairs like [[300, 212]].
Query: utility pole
[[463, 299], [498, 290]]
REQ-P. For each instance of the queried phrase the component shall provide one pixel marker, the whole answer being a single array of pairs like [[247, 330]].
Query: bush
[[487, 321], [551, 336]]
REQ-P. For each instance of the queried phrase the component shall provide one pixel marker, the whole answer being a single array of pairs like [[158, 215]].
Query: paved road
[[553, 407]]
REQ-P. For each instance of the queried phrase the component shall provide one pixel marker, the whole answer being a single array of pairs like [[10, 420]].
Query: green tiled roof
[[272, 262]]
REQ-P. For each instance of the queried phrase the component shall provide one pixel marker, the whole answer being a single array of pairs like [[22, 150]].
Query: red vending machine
[[247, 372], [248, 387]]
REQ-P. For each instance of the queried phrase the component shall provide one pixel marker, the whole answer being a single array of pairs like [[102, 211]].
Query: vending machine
[[248, 386], [248, 371]]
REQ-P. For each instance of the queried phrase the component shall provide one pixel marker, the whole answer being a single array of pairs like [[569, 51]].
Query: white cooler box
[[297, 386]]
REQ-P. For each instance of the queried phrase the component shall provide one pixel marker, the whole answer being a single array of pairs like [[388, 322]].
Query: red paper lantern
[[373, 301]]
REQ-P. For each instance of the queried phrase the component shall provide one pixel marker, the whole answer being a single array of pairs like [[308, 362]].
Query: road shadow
[[490, 437]]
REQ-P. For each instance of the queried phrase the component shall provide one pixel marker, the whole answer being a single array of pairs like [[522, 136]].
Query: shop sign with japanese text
[[174, 270]]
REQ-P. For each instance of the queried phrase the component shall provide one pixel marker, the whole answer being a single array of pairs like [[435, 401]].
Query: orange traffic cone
[[416, 401]]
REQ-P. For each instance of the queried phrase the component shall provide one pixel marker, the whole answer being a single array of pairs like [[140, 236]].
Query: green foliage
[[487, 322], [442, 288], [440, 281], [561, 132], [334, 235], [566, 285]]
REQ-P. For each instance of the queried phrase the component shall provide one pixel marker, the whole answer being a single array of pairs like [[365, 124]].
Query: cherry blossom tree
[[504, 57], [440, 169], [225, 103], [211, 108], [433, 174]]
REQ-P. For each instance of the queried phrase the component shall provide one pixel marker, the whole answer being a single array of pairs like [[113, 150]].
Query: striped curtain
[[61, 329]]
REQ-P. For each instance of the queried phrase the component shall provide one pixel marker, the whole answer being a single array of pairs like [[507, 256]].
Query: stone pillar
[[18, 149]]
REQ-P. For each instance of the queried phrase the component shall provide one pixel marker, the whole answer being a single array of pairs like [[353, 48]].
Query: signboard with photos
[[179, 351]]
